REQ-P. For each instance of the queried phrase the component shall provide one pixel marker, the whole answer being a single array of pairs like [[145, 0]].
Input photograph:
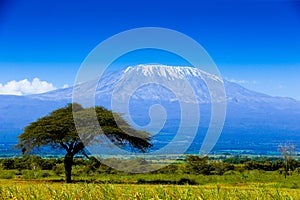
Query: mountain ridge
[[243, 105], [196, 71]]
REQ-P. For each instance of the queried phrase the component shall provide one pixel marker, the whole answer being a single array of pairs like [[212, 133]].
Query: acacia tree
[[58, 131], [287, 151]]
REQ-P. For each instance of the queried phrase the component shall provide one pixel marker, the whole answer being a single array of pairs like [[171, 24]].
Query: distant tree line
[[190, 165]]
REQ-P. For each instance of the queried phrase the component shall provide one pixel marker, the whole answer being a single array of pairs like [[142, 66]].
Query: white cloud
[[65, 86], [242, 81], [24, 87]]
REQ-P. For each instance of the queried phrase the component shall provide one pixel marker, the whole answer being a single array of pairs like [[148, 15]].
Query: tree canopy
[[58, 130]]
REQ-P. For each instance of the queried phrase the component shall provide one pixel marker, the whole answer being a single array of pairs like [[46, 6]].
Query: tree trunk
[[68, 162], [285, 173], [286, 169]]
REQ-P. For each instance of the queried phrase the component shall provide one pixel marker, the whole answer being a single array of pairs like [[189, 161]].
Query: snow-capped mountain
[[176, 75], [166, 85]]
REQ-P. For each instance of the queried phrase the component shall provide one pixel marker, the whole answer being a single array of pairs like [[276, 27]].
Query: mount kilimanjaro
[[253, 120]]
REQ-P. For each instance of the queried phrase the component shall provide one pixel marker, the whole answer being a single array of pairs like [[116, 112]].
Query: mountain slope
[[247, 110]]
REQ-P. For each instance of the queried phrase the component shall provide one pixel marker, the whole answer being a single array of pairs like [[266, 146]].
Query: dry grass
[[16, 189]]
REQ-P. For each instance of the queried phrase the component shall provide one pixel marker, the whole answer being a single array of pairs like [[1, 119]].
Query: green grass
[[13, 189], [271, 179], [247, 185]]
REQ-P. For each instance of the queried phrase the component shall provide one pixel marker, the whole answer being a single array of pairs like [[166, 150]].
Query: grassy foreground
[[42, 189]]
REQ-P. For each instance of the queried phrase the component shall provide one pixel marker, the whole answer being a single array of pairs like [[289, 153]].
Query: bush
[[45, 174], [231, 172], [198, 165], [91, 166], [58, 169], [219, 167], [7, 174], [47, 164], [8, 163], [29, 174], [169, 169], [184, 181]]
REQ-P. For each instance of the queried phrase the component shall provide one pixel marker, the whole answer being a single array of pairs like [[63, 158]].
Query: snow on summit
[[170, 72]]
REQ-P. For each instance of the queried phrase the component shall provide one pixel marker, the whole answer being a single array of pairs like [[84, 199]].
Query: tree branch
[[64, 146], [78, 147]]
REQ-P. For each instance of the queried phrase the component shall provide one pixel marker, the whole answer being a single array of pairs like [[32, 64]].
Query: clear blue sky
[[253, 42]]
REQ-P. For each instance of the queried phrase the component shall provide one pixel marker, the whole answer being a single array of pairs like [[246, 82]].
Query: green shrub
[[58, 169], [231, 172], [7, 174], [8, 163], [197, 165]]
